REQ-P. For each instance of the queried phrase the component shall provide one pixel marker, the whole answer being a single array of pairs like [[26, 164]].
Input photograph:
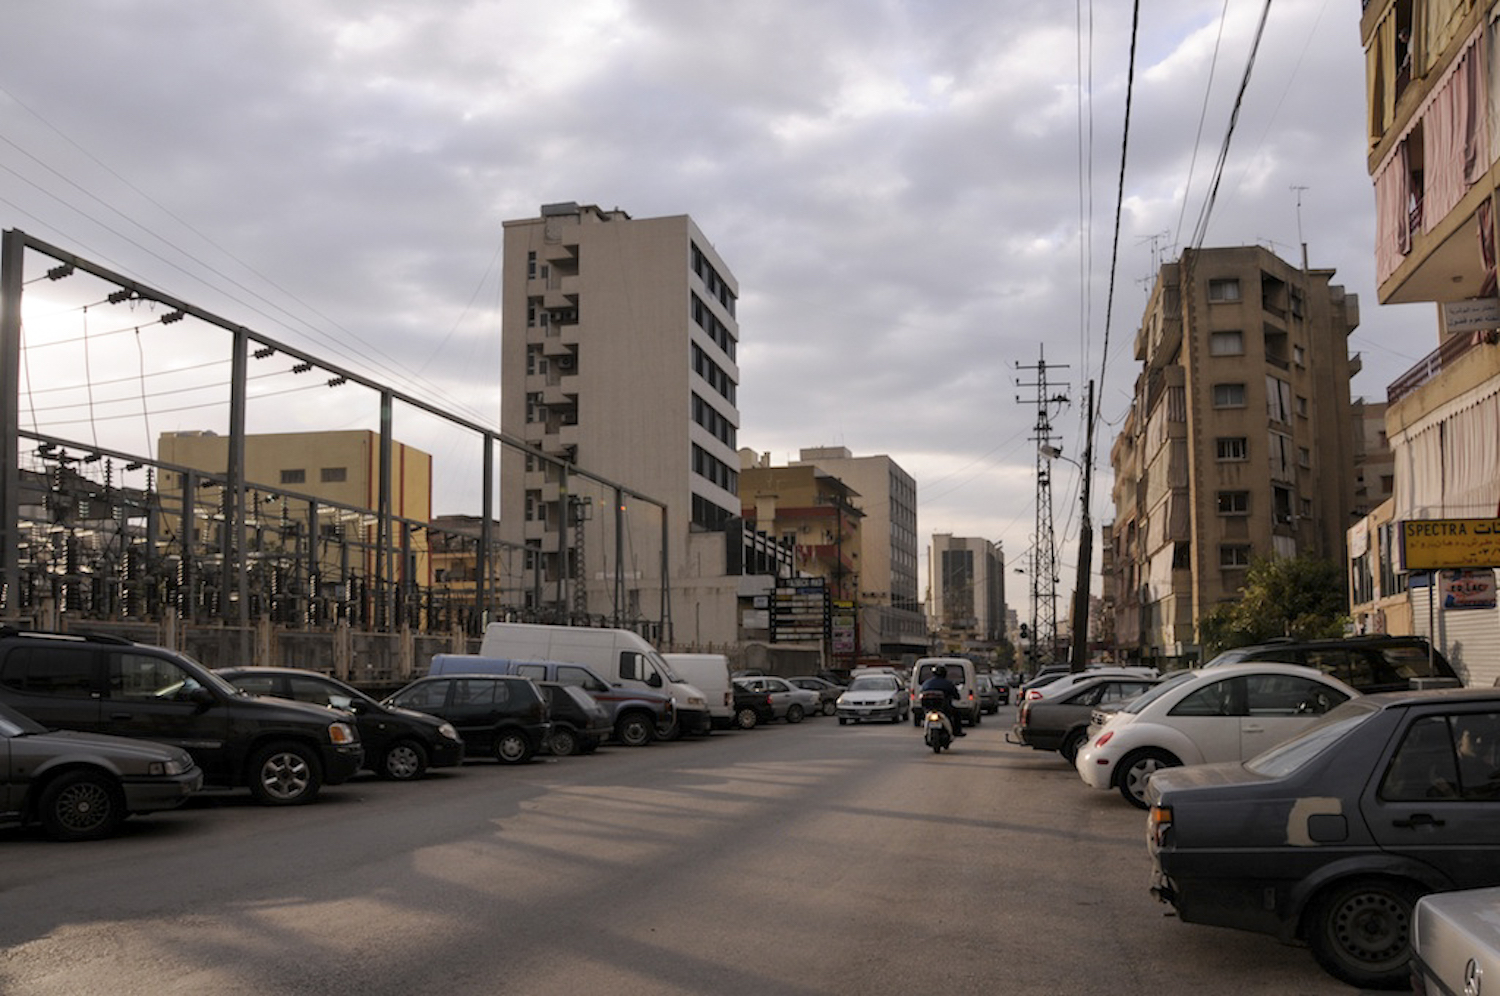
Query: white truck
[[709, 673], [617, 655]]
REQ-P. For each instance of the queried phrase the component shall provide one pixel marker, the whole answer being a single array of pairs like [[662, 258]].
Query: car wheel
[[403, 761], [285, 774], [1360, 932], [512, 747], [635, 730], [830, 707], [1072, 743], [673, 732], [563, 742], [794, 713], [1136, 768], [81, 805], [746, 719]]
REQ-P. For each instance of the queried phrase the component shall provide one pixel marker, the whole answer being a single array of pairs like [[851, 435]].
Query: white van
[[617, 655], [709, 673], [961, 672]]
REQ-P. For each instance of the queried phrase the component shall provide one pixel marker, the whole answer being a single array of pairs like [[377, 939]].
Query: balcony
[[1430, 366]]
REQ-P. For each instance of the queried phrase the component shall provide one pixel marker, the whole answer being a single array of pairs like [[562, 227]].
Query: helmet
[[941, 671]]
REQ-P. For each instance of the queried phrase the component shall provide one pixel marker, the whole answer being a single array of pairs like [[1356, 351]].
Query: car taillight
[[1104, 738], [1034, 694], [1159, 824]]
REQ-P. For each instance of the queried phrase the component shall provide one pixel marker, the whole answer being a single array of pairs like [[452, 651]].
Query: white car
[[1226, 713], [873, 696], [1071, 680]]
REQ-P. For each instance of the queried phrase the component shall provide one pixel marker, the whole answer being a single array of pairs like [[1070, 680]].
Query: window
[[1234, 503], [1233, 448], [294, 477], [1288, 695], [1226, 344], [58, 671], [1229, 395], [1219, 698], [333, 475], [148, 678], [1224, 290], [1304, 456], [1278, 399], [1299, 356], [1234, 555], [530, 265]]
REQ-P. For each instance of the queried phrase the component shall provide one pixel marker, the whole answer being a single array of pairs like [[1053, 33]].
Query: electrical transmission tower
[[1044, 547]]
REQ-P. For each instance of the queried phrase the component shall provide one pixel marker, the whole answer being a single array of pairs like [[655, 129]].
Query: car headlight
[[167, 769], [697, 702], [342, 734], [447, 730]]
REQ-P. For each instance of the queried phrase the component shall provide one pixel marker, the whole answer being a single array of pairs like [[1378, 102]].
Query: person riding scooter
[[939, 683]]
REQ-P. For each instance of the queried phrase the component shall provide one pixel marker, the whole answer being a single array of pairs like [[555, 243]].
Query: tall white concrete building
[[618, 355], [891, 623]]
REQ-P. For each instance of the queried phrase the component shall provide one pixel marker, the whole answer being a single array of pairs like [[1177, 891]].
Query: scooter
[[936, 731]]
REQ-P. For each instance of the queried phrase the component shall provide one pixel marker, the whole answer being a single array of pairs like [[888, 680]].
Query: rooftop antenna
[[1298, 191]]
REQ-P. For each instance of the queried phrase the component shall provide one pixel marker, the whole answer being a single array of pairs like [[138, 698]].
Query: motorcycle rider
[[939, 683]]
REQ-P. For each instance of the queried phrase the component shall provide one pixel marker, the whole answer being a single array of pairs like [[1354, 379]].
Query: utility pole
[[1080, 658], [1044, 557]]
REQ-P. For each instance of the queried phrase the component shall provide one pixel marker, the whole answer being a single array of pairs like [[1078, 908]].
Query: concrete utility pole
[[1080, 658]]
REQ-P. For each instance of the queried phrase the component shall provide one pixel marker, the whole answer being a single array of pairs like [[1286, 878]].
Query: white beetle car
[[1225, 713]]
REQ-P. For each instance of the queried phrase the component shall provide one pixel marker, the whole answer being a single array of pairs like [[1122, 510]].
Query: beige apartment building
[[1434, 157], [618, 345], [891, 622], [1240, 442], [966, 594]]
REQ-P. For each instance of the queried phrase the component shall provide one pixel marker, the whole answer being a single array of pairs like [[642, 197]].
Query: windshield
[[1157, 691], [663, 667], [873, 683], [1289, 755]]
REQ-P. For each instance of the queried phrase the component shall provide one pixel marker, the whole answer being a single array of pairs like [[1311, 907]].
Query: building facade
[[1434, 157], [1240, 442], [618, 346], [891, 621], [966, 599]]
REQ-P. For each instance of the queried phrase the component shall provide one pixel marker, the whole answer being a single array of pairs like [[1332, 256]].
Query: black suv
[[1368, 664], [284, 752], [496, 714], [400, 745]]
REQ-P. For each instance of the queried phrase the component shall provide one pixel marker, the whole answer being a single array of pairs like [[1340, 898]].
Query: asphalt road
[[804, 859]]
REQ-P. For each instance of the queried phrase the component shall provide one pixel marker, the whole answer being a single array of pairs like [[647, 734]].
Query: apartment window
[[333, 475], [530, 265], [1234, 555], [1229, 395], [1304, 456], [1278, 400], [1299, 356], [535, 410], [531, 310], [1304, 507], [1232, 448], [1226, 344], [294, 477], [1224, 290], [1234, 503]]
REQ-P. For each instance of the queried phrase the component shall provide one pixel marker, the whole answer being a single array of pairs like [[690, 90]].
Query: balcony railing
[[1430, 366]]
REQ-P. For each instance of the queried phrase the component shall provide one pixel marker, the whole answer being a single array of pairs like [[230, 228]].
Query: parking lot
[[813, 858]]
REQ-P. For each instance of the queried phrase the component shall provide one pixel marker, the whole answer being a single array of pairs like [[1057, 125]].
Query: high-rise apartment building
[[1239, 443], [890, 608], [1434, 157], [618, 346], [966, 600]]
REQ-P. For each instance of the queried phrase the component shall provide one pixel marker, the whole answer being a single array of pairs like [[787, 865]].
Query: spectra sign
[[1432, 544]]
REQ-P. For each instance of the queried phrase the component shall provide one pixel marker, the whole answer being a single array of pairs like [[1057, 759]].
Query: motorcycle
[[937, 733]]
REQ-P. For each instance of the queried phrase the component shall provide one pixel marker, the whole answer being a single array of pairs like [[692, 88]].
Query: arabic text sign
[[1429, 544]]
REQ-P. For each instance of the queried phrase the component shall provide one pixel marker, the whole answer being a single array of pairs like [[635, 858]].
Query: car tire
[[1135, 768], [746, 719], [1071, 744], [81, 805], [635, 729], [563, 742], [284, 774], [794, 713], [512, 747], [671, 733], [830, 707], [403, 761], [1360, 931]]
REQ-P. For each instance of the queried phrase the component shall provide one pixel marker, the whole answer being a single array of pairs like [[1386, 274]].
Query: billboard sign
[[1433, 544]]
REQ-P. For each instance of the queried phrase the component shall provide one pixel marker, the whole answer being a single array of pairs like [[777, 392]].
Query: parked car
[[1455, 941], [1225, 713], [988, 694], [579, 724], [1059, 684], [873, 696], [283, 751], [498, 715], [828, 692], [751, 708], [1365, 663], [400, 744], [82, 786], [1061, 722], [1331, 837], [788, 702]]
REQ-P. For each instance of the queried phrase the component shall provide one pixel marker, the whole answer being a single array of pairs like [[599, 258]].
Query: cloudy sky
[[916, 197]]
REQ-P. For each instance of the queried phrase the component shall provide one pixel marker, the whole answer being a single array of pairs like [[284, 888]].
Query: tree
[[1303, 597]]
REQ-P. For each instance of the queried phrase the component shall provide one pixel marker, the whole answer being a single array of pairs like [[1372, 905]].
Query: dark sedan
[[400, 744], [1331, 837], [1062, 723]]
